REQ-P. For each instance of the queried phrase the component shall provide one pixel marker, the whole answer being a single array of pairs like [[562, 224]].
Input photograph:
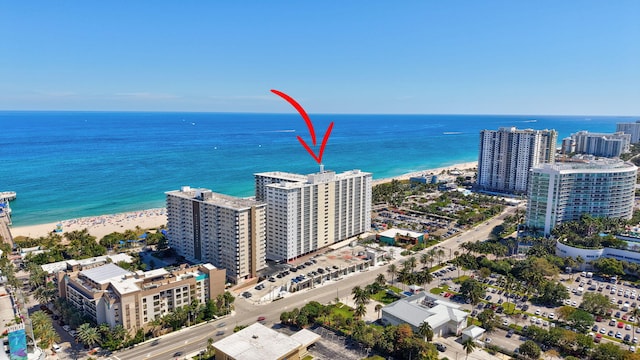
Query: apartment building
[[307, 213], [565, 191], [598, 144], [110, 294], [226, 231], [632, 129], [506, 155]]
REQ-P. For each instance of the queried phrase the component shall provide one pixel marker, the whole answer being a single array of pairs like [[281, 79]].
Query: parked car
[[440, 347]]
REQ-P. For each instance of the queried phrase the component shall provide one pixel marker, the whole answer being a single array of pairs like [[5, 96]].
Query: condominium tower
[[110, 294], [597, 144], [565, 191], [226, 231], [306, 213], [632, 129], [506, 155]]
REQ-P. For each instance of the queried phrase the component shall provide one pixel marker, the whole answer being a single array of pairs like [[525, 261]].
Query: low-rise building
[[444, 317], [400, 236], [260, 342], [110, 294]]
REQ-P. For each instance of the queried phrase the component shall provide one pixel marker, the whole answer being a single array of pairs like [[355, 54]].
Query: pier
[[5, 216]]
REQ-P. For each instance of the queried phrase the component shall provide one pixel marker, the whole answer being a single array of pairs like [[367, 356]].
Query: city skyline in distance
[[494, 57]]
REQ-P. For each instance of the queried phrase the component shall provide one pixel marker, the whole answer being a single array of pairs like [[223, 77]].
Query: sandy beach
[[99, 226], [461, 167], [102, 225]]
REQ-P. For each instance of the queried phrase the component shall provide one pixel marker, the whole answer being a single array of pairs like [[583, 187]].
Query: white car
[[552, 316], [67, 328], [505, 322], [537, 312], [56, 347], [574, 304]]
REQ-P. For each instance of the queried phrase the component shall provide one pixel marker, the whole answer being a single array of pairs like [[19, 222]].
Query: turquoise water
[[73, 164]]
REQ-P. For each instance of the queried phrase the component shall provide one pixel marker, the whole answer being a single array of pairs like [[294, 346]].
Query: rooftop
[[257, 342], [210, 197], [393, 232], [103, 274], [599, 165]]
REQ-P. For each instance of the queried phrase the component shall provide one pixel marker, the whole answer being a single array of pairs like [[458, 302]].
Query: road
[[191, 340]]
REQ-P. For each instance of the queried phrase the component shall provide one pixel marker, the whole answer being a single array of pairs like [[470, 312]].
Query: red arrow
[[306, 118]]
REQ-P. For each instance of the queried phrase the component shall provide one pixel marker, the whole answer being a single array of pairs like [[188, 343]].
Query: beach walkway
[[5, 233]]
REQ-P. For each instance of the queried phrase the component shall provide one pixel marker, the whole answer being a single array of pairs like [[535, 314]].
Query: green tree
[[393, 271], [426, 331], [553, 293], [530, 350], [360, 311], [608, 351], [469, 346], [163, 243], [472, 290], [608, 266], [488, 320], [88, 334], [595, 303], [581, 320], [47, 337], [380, 280], [378, 308], [360, 296]]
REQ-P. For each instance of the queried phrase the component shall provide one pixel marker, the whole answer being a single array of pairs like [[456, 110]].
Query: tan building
[[260, 342], [226, 231], [110, 294], [307, 213]]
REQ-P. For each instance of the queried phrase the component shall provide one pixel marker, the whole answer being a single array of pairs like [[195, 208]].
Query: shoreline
[[101, 225]]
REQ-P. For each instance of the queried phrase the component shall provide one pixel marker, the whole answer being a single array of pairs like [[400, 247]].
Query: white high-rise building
[[600, 144], [632, 129], [565, 191], [226, 231], [506, 155], [307, 213]]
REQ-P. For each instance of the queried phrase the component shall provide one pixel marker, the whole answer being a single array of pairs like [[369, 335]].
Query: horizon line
[[317, 113]]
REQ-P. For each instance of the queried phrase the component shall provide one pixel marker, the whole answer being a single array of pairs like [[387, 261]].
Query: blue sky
[[427, 57]]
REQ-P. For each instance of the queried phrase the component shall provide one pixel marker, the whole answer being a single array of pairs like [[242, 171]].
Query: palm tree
[[411, 263], [426, 331], [393, 271], [636, 314], [469, 346], [426, 277], [48, 337], [380, 279], [424, 259], [88, 334], [360, 296], [45, 294], [40, 321], [440, 254], [579, 261], [360, 311], [378, 308]]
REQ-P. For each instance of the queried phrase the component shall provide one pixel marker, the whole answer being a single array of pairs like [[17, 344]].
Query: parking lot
[[313, 270]]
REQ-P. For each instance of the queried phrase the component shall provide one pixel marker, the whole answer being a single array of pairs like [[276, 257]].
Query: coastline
[[101, 225]]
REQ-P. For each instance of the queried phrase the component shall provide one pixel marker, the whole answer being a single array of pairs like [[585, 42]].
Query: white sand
[[99, 226], [102, 225], [436, 171]]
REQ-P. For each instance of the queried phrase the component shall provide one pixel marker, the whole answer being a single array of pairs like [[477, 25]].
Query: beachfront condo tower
[[307, 213], [597, 144], [632, 129], [226, 231], [506, 155], [565, 191]]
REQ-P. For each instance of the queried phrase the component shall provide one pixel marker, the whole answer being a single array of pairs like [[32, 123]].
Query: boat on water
[[8, 195], [530, 121], [452, 133]]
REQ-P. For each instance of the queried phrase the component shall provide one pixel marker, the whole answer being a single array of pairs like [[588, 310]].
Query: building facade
[[564, 192], [506, 155], [600, 144], [110, 294], [226, 231], [307, 213], [632, 129]]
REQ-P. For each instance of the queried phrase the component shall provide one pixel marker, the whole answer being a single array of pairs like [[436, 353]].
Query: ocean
[[73, 164]]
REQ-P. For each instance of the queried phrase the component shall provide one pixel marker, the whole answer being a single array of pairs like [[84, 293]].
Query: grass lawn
[[509, 308], [374, 357], [384, 298], [395, 289], [461, 279], [342, 309], [437, 291]]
